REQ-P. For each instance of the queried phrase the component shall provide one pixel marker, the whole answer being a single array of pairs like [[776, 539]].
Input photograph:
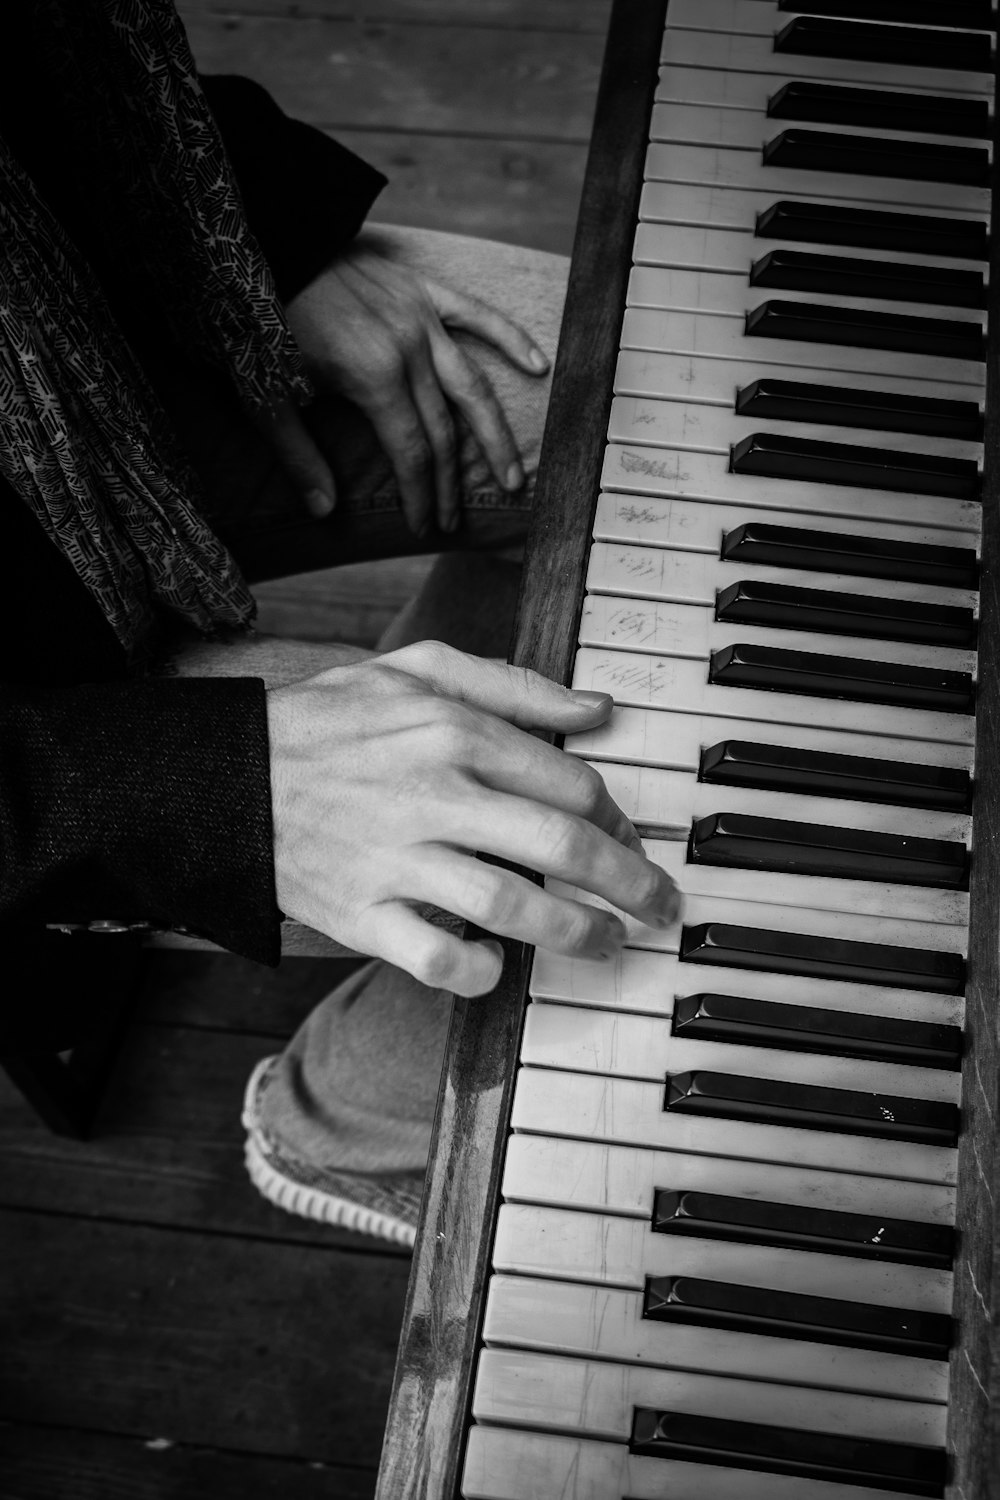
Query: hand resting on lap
[[388, 776]]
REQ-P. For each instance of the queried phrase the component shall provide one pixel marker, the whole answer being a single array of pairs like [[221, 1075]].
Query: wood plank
[[519, 191], [204, 1340], [49, 1463], [167, 1149], [462, 80], [521, 15]]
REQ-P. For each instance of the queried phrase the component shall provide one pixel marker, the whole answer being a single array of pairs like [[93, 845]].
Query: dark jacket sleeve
[[140, 801], [305, 195]]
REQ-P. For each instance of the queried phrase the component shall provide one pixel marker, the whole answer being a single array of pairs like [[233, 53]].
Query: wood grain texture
[[47, 1463], [974, 1404], [467, 81], [520, 15], [163, 1333], [422, 1455]]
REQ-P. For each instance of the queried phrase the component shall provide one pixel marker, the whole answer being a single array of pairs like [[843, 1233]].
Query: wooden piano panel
[[429, 1413]]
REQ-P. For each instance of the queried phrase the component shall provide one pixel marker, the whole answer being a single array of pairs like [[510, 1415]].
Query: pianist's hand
[[388, 775], [376, 332]]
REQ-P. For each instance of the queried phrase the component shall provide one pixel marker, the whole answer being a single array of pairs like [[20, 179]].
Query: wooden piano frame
[[429, 1414]]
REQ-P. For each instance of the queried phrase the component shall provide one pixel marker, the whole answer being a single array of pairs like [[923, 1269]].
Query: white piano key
[[664, 737], [722, 167], [626, 1111], [620, 1045], [643, 681], [521, 1389], [756, 54], [673, 799], [717, 382], [510, 1464], [734, 251], [611, 1250], [691, 631], [711, 206], [645, 982], [730, 295], [699, 526], [694, 578], [681, 123], [563, 1318], [722, 337], [681, 84], [742, 17], [707, 429], [599, 1177]]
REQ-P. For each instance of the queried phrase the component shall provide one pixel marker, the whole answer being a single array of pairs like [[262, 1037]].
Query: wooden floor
[[164, 1333]]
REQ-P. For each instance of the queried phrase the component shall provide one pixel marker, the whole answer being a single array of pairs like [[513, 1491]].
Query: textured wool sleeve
[[140, 801], [305, 195]]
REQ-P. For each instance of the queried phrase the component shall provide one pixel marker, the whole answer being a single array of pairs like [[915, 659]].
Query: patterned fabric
[[82, 437]]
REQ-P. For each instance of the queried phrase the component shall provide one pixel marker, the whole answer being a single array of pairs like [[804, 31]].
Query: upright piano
[[719, 1218]]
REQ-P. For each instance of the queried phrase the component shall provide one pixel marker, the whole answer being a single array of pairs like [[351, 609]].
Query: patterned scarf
[[83, 439]]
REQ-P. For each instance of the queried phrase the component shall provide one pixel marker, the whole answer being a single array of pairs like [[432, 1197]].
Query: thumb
[[522, 697], [300, 458]]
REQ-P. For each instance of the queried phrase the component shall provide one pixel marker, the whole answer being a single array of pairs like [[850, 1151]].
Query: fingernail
[[537, 361], [515, 476], [587, 699], [319, 502], [669, 904]]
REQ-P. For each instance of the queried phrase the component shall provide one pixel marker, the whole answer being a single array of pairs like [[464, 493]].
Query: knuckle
[[435, 964], [495, 900], [588, 786], [564, 840], [415, 456]]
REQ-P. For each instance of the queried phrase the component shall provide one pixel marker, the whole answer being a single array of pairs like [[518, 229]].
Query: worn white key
[[610, 1250], [644, 681], [625, 1111], [599, 1177], [665, 737], [644, 982], [691, 631], [723, 167], [717, 382], [685, 577], [756, 54], [705, 477], [721, 337], [559, 1317], [735, 250], [741, 17], [733, 89], [620, 1045], [729, 295], [677, 123], [560, 1394], [671, 800], [511, 1464], [709, 429], [694, 526]]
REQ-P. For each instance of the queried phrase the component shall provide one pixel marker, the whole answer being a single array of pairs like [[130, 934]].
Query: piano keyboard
[[722, 1265]]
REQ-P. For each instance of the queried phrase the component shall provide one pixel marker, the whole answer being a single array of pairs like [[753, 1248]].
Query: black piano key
[[840, 276], [788, 1226], [908, 1468], [746, 842], [874, 229], [812, 323], [719, 943], [808, 1106], [839, 552], [881, 411], [773, 669], [830, 612], [745, 1022], [900, 46], [874, 156], [791, 1315], [818, 773], [971, 15], [818, 462], [839, 104]]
